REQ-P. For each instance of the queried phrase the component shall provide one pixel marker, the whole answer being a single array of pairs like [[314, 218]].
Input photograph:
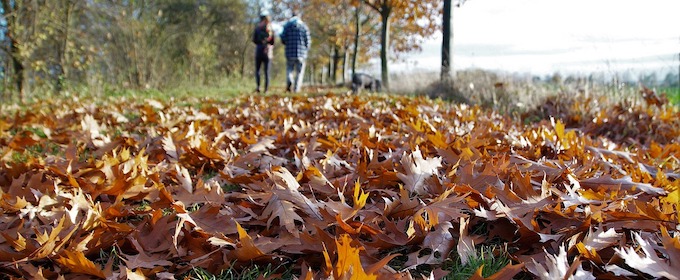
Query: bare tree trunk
[[345, 56], [447, 35], [312, 72], [18, 69], [330, 68], [6, 94], [63, 54], [17, 64], [335, 60], [357, 33], [384, 46], [243, 59], [315, 78]]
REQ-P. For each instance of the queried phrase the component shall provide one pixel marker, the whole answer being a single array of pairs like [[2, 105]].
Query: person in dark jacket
[[297, 39], [263, 37]]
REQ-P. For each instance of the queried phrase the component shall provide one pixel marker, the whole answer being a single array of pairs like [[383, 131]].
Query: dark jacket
[[296, 37], [263, 38]]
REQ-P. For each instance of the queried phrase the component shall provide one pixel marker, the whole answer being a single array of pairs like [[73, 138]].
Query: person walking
[[263, 37], [297, 40]]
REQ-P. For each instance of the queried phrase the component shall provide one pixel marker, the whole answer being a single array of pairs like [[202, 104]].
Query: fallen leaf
[[647, 261], [246, 249], [417, 170], [78, 263]]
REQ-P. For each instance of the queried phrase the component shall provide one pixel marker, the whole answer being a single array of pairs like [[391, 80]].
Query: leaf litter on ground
[[338, 187]]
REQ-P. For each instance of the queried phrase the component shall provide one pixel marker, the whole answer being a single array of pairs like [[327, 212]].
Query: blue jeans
[[295, 71]]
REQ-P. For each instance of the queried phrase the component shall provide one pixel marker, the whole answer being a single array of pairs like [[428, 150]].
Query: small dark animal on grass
[[362, 81]]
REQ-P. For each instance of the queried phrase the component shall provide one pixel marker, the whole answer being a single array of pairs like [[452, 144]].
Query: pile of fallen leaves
[[332, 186], [632, 121]]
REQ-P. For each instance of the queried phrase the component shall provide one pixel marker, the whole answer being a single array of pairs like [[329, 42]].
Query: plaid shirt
[[296, 37]]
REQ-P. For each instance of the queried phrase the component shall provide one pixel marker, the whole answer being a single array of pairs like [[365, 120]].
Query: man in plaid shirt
[[297, 39]]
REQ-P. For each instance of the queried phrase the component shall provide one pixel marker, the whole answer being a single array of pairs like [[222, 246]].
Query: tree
[[413, 20], [330, 33], [11, 14], [206, 30], [30, 29], [50, 45], [362, 36], [156, 44], [357, 34], [66, 53], [39, 40], [447, 37], [447, 40]]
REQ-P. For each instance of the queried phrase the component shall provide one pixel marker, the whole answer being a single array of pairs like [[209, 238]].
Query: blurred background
[[631, 39], [107, 46]]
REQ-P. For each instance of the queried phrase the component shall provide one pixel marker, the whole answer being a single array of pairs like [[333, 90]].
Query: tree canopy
[[132, 44]]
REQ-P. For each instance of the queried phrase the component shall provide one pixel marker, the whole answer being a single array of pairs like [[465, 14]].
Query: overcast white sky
[[569, 36]]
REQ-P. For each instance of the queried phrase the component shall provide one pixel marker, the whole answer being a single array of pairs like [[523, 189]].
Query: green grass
[[229, 87], [230, 188], [491, 258], [19, 157], [36, 151], [183, 94], [673, 94], [38, 131], [111, 254], [249, 273], [48, 148]]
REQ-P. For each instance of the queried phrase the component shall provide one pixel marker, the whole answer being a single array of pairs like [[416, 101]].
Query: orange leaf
[[327, 259], [78, 263], [382, 263], [506, 273], [347, 228], [247, 249], [348, 265]]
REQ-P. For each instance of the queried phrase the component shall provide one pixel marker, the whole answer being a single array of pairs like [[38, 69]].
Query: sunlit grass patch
[[490, 258], [248, 273]]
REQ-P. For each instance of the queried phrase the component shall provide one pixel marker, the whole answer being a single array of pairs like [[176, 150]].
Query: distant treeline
[[53, 45], [651, 79]]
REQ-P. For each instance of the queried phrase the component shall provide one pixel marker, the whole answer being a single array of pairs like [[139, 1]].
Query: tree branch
[[373, 6], [5, 49]]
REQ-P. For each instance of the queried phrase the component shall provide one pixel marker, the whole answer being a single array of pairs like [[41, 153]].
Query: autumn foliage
[[336, 186]]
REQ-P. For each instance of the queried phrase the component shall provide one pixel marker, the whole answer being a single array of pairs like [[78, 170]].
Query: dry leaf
[[417, 170], [78, 263], [351, 178]]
